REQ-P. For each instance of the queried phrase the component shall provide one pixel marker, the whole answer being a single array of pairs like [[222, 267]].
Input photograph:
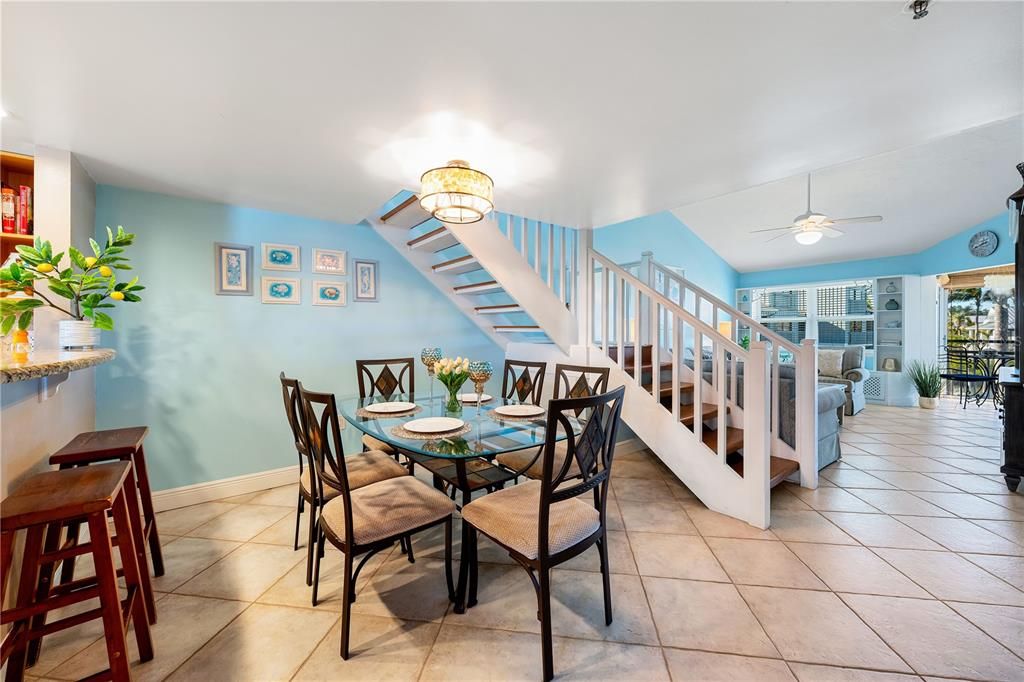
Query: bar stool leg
[[135, 574], [110, 601], [132, 506], [43, 585], [139, 462], [26, 585], [67, 569]]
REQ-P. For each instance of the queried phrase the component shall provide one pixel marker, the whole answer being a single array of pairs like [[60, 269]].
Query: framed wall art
[[280, 290], [281, 257], [328, 262], [330, 293], [367, 280], [232, 269]]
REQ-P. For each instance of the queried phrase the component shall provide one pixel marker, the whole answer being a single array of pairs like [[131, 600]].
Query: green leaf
[[66, 274], [110, 237], [122, 266], [61, 289], [31, 256], [95, 247], [7, 323], [77, 258], [105, 305], [14, 271], [56, 259], [103, 321], [25, 319], [47, 250], [132, 297]]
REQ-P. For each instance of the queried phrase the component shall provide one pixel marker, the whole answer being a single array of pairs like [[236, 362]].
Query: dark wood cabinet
[[1013, 427]]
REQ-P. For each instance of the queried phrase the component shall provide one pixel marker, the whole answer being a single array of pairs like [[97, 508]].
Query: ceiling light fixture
[[457, 193], [806, 237]]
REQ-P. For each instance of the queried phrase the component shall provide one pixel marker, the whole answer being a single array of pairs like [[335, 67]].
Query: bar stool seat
[[42, 505], [125, 444]]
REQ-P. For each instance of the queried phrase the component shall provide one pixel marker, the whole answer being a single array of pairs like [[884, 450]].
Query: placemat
[[400, 432], [366, 414]]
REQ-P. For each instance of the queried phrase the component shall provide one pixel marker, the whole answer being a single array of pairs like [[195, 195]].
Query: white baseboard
[[187, 495]]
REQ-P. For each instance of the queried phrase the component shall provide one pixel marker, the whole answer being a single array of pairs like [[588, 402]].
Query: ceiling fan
[[809, 227]]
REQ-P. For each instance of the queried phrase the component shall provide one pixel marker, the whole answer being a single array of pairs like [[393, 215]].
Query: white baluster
[[655, 351], [620, 313], [698, 380], [807, 413], [536, 246], [606, 301], [756, 450], [562, 295], [719, 362], [551, 255], [677, 364]]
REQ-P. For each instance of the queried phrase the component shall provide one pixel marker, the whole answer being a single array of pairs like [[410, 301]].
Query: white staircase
[[708, 407]]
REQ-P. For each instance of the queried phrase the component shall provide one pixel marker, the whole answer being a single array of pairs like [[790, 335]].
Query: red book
[[25, 209]]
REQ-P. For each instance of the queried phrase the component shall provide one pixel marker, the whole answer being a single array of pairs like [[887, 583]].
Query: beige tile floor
[[907, 563]]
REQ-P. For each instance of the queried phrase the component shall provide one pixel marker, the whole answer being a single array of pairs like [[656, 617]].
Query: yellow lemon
[[44, 267], [90, 261], [117, 295], [106, 271]]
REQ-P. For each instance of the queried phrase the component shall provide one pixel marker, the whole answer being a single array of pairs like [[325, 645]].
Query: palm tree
[[969, 295]]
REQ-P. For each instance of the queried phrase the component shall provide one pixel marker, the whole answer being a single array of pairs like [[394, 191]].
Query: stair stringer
[[718, 486], [513, 272], [424, 261]]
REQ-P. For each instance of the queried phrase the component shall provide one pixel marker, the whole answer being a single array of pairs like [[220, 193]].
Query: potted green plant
[[88, 283], [927, 382]]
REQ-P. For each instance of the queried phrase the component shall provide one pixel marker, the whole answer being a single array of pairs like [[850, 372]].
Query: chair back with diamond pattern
[[319, 418], [592, 450], [580, 381], [290, 393], [386, 377], [524, 381]]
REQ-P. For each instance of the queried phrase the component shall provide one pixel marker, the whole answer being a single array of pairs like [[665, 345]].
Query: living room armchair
[[851, 377]]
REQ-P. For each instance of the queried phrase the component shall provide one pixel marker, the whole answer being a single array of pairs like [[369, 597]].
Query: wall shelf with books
[[17, 175]]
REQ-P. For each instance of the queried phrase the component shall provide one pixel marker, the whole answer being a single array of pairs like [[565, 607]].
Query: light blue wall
[[674, 244], [201, 370], [949, 255]]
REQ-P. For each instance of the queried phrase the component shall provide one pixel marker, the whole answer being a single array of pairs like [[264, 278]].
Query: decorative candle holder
[[428, 356], [480, 372]]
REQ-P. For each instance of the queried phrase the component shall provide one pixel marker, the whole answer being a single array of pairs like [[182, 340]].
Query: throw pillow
[[830, 363]]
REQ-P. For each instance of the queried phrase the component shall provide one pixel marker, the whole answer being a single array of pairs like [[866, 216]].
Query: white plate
[[471, 398], [387, 408], [520, 410], [434, 425]]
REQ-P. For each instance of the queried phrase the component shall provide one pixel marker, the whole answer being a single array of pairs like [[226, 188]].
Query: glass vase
[[453, 406]]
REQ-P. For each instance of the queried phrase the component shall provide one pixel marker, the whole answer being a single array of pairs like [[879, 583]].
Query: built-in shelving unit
[[890, 324], [15, 170]]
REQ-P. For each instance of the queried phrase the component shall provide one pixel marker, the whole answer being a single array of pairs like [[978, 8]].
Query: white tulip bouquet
[[453, 374]]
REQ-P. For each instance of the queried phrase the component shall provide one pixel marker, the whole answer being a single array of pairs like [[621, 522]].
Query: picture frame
[[232, 269], [330, 293], [281, 257], [280, 290], [366, 280], [330, 262]]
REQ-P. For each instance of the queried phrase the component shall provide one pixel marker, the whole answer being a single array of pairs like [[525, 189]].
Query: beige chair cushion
[[387, 509], [511, 517], [519, 459], [372, 443], [363, 469]]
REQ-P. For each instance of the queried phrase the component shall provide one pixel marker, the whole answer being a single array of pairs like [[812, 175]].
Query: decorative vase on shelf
[[77, 335], [892, 304], [891, 289]]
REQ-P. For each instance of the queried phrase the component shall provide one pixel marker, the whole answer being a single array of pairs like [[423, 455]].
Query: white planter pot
[[78, 335], [928, 403]]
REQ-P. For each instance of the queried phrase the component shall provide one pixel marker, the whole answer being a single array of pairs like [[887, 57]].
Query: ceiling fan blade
[[858, 219], [778, 236], [832, 232], [773, 229]]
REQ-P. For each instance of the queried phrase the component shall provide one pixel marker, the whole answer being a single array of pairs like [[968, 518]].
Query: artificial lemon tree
[[89, 283]]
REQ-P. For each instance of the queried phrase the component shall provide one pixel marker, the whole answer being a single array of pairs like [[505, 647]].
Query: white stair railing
[[614, 328], [550, 249], [789, 362]]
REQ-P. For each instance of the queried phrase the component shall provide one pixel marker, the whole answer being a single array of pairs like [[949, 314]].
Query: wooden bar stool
[[93, 447], [45, 503]]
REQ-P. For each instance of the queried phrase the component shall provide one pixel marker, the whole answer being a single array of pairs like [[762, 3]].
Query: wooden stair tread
[[686, 413], [685, 388], [733, 439], [517, 327], [502, 307], [489, 285], [457, 265], [779, 469], [407, 214], [438, 239]]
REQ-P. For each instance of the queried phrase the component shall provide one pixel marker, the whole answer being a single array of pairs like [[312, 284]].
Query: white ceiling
[[924, 193], [584, 114]]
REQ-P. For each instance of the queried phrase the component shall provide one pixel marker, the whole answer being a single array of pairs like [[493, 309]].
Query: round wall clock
[[984, 243]]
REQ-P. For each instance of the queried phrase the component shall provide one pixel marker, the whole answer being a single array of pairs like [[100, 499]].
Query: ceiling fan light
[[807, 237], [456, 193]]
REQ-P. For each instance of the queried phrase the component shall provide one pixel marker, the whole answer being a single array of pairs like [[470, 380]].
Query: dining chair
[[384, 378], [546, 522], [571, 381], [523, 381], [369, 467], [369, 519]]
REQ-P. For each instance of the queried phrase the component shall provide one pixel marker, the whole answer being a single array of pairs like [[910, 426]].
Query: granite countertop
[[43, 363]]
